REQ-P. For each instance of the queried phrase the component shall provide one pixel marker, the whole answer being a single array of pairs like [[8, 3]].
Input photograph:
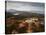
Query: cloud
[[24, 6]]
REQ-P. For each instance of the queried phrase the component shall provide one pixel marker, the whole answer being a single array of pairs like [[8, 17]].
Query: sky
[[26, 6]]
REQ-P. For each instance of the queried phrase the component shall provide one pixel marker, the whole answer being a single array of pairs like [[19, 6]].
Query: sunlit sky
[[26, 6]]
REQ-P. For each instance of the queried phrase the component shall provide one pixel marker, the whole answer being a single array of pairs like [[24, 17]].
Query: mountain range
[[19, 14]]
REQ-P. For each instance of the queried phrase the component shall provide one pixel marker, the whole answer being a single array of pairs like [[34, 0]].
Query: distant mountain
[[30, 14], [22, 14], [16, 11]]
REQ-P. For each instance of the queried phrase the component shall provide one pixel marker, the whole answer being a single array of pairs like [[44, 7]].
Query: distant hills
[[22, 14]]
